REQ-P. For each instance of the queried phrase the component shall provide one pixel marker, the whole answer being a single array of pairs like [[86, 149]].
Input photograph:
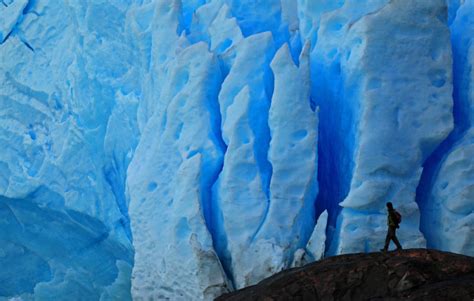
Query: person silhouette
[[393, 220]]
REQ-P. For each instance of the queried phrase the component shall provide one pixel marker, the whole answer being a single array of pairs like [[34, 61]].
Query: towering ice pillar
[[448, 199], [266, 214], [241, 192], [293, 154], [382, 73], [169, 183]]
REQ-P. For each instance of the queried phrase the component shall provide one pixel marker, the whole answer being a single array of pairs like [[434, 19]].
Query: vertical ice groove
[[274, 228], [325, 24], [253, 57], [446, 188], [213, 24], [248, 81], [239, 188], [293, 129], [405, 96], [169, 182]]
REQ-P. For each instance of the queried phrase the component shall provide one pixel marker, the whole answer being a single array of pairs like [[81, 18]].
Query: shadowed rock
[[414, 274]]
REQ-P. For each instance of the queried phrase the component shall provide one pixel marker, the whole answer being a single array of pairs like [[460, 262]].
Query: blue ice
[[180, 149]]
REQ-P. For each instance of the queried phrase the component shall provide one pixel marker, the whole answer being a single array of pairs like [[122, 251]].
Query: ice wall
[[64, 105], [175, 149], [242, 194], [169, 183], [446, 192], [278, 212], [375, 85]]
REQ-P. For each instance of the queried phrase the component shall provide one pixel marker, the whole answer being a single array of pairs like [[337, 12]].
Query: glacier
[[447, 191], [181, 149], [385, 163]]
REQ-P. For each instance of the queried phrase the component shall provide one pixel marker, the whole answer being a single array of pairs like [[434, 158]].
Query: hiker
[[393, 220]]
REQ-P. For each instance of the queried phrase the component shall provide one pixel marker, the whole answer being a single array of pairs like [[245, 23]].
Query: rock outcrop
[[414, 274]]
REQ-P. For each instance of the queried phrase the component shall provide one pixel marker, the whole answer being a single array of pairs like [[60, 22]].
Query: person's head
[[390, 205]]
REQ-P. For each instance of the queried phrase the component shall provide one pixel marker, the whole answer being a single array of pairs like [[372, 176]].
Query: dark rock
[[415, 274]]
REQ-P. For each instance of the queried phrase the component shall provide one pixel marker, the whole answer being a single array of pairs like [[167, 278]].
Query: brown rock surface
[[415, 274]]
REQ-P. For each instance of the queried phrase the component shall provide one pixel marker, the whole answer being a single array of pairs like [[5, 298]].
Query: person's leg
[[387, 241], [390, 235], [395, 240]]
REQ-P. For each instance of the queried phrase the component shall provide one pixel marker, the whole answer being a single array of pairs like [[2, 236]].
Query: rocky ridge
[[414, 274]]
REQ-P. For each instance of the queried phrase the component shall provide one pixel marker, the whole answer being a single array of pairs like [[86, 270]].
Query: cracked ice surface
[[179, 149], [11, 15], [64, 226]]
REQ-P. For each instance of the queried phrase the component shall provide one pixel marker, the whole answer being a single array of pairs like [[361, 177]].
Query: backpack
[[398, 217]]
